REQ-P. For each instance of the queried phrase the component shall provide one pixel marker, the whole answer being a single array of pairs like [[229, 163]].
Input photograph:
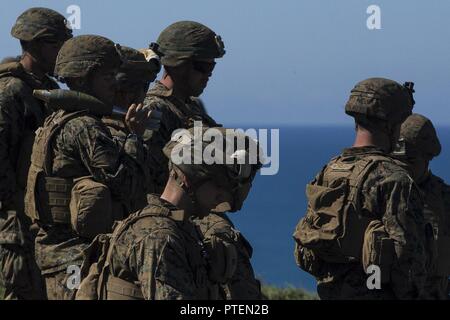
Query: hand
[[139, 118], [135, 119]]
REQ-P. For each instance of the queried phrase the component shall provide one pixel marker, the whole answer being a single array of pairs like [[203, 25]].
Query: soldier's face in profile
[[211, 196], [198, 74], [49, 49], [103, 85]]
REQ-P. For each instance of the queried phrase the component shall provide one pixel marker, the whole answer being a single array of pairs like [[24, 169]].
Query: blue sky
[[287, 62]]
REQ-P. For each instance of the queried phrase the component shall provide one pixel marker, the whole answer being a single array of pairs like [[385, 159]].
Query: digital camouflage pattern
[[420, 138], [85, 147], [379, 98], [135, 69], [162, 255], [185, 40], [388, 197], [243, 285], [82, 54], [419, 144], [38, 23], [436, 195], [20, 115], [177, 114]]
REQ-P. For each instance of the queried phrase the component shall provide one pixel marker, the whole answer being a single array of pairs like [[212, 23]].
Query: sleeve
[[242, 285], [123, 170], [158, 141], [163, 269], [9, 144], [402, 217]]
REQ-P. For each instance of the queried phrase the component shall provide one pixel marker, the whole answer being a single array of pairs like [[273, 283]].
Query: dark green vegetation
[[287, 293]]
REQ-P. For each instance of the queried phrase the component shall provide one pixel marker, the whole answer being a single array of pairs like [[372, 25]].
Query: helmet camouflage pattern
[[419, 137], [238, 164], [39, 23], [136, 68], [79, 55], [382, 99], [185, 40]]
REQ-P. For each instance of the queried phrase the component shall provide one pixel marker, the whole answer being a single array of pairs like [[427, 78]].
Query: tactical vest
[[98, 281], [34, 116], [47, 198], [333, 229]]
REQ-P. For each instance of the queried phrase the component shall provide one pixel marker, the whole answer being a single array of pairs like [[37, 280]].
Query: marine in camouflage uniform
[[80, 180], [157, 253], [133, 81], [417, 146], [41, 32], [364, 209], [187, 51]]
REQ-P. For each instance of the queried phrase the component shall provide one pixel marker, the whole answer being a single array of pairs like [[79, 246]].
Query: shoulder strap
[[52, 127], [361, 170]]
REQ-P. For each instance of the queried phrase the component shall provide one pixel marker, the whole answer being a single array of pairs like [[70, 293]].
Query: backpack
[[333, 229]]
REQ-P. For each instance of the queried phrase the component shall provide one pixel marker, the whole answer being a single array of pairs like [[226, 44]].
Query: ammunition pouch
[[222, 259]]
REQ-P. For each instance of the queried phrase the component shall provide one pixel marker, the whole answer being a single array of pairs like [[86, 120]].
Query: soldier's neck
[[178, 197], [31, 66], [365, 138]]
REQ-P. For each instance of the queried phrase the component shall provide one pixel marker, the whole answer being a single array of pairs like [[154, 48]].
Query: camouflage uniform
[[81, 146], [158, 253], [364, 209], [135, 74], [176, 114], [20, 115], [419, 144]]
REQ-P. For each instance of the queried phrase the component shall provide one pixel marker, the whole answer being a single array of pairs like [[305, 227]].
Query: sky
[[290, 62]]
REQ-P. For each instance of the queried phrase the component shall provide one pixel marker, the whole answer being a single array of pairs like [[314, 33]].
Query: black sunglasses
[[203, 66]]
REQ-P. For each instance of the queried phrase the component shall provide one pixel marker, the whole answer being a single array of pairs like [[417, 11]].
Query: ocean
[[276, 203]]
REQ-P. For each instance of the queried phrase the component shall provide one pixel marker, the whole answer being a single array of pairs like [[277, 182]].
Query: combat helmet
[[418, 138], [137, 67], [238, 160], [185, 40], [381, 99], [40, 23], [81, 54]]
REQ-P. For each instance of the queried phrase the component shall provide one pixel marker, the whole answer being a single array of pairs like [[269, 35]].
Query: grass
[[269, 291], [287, 293]]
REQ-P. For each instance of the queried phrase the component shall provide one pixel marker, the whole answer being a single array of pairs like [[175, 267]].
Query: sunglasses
[[203, 66]]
